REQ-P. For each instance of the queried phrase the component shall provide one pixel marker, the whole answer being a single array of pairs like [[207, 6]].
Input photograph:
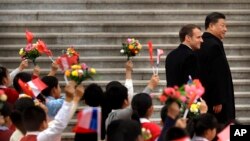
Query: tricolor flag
[[151, 53], [159, 53], [89, 120], [32, 88]]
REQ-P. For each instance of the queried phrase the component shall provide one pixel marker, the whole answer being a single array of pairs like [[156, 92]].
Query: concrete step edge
[[110, 34], [136, 70], [109, 23], [127, 11], [121, 1], [110, 58], [104, 46]]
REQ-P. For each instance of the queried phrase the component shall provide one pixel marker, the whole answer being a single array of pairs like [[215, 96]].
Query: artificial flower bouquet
[[131, 47], [80, 72], [33, 50], [187, 95]]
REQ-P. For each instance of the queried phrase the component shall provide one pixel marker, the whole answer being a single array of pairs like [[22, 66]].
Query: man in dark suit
[[182, 61], [215, 71]]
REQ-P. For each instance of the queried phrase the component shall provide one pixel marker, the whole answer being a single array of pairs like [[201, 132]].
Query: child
[[6, 81], [5, 131], [124, 130], [176, 134], [119, 97], [52, 93], [16, 116], [205, 127], [142, 110], [93, 97], [35, 122]]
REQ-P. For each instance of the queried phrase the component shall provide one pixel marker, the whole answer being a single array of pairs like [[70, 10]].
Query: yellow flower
[[3, 97], [67, 73], [139, 47], [76, 67], [194, 108], [74, 73], [92, 71], [21, 52]]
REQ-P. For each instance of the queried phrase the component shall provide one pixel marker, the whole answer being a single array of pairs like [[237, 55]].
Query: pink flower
[[129, 40], [29, 47], [84, 66]]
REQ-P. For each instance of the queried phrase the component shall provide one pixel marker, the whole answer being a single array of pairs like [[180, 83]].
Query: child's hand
[[129, 66], [203, 107], [79, 93], [129, 69], [36, 70], [54, 68], [153, 82], [70, 91], [24, 64]]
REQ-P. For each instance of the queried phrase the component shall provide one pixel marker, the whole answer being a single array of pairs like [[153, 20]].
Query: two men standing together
[[203, 56]]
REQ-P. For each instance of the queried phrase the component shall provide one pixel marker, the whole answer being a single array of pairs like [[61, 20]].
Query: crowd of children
[[125, 116]]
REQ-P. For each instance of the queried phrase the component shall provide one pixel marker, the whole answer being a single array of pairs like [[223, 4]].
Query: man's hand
[[79, 93], [217, 108], [36, 70]]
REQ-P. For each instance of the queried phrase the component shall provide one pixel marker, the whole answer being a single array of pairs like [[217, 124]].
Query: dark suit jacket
[[216, 77], [180, 63]]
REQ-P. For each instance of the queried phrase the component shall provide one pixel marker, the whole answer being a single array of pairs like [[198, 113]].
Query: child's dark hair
[[116, 94], [174, 133], [3, 74], [164, 113], [204, 122], [123, 130], [19, 107], [93, 95], [25, 77], [33, 117], [51, 82], [140, 104]]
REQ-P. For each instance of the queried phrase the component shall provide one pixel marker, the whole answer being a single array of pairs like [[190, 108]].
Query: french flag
[[89, 120], [32, 88]]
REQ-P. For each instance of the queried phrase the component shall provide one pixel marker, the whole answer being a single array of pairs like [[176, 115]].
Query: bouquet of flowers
[[131, 47], [187, 95], [80, 72], [32, 51]]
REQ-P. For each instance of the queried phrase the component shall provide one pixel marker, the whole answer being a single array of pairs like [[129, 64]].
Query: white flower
[[80, 71], [122, 51]]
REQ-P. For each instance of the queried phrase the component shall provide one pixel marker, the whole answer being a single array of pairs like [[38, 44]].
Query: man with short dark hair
[[182, 61], [215, 71]]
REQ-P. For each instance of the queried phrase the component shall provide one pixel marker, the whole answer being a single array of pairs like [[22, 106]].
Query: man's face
[[196, 40], [219, 29]]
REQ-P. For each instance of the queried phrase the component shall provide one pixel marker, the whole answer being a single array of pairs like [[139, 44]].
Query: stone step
[[114, 50], [115, 61], [138, 73], [112, 38], [109, 26], [118, 15], [123, 4]]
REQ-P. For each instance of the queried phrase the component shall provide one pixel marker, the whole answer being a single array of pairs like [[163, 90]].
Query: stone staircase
[[96, 29]]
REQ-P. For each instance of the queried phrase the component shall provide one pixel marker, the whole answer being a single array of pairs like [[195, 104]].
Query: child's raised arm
[[53, 70]]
